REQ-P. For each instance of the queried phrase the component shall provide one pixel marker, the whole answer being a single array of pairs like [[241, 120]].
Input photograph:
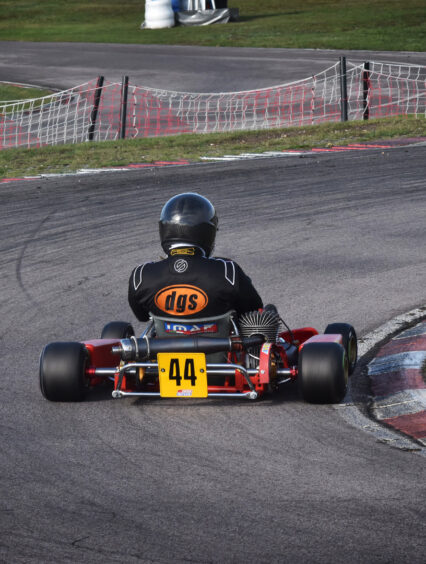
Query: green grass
[[12, 92], [332, 24], [69, 158]]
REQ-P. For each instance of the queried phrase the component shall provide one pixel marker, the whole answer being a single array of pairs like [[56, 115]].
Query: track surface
[[189, 69], [328, 238]]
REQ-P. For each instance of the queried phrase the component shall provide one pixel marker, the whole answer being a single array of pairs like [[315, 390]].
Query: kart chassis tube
[[138, 349], [211, 369]]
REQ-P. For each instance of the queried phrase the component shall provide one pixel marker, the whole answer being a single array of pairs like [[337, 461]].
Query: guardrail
[[100, 110]]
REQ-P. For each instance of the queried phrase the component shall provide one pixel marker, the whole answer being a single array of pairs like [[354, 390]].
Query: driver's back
[[189, 285]]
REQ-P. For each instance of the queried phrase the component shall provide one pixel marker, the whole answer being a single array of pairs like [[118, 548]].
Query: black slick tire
[[62, 371], [323, 372], [349, 339], [117, 330]]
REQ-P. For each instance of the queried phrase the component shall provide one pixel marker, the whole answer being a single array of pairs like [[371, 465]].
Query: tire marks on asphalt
[[19, 260]]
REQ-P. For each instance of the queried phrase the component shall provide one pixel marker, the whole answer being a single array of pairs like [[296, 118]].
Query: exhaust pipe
[[145, 348]]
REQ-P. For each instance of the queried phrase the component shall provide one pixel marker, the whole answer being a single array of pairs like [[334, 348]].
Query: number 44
[[188, 372]]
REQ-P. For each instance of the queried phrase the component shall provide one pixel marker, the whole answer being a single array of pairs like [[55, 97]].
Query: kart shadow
[[100, 393], [287, 393]]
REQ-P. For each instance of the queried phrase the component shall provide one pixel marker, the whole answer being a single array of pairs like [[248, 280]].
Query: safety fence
[[100, 110]]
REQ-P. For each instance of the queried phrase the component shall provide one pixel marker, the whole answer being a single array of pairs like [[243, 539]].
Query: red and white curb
[[316, 150], [295, 152], [83, 171], [399, 389], [242, 156], [355, 413]]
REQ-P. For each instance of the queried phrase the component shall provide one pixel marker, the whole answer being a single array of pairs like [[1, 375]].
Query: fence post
[[95, 109], [343, 91], [366, 91], [123, 107]]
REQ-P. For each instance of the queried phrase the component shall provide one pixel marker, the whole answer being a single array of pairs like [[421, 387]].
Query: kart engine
[[266, 323]]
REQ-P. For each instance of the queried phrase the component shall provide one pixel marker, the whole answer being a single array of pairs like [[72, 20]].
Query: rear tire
[[63, 371], [323, 372], [117, 330], [349, 339]]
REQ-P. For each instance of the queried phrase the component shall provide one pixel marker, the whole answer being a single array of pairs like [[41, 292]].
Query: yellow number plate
[[182, 375]]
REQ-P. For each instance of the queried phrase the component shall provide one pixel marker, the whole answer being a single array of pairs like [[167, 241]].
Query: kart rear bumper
[[283, 374]]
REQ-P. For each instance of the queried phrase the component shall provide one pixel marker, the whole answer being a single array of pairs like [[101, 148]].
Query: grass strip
[[70, 158], [18, 95], [14, 92], [329, 24]]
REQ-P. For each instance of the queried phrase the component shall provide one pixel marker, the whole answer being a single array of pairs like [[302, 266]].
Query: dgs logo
[[181, 299]]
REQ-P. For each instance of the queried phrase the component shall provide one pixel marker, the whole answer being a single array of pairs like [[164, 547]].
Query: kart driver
[[189, 283]]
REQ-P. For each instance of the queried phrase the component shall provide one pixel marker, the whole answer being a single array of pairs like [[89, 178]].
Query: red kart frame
[[322, 362]]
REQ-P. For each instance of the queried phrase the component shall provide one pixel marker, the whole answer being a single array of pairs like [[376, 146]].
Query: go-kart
[[225, 356]]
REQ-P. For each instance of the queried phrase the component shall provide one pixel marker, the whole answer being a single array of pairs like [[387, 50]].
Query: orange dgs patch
[[181, 299]]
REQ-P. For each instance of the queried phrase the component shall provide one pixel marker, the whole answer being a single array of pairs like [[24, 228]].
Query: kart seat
[[221, 326]]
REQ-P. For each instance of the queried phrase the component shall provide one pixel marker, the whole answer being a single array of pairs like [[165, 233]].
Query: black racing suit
[[189, 285]]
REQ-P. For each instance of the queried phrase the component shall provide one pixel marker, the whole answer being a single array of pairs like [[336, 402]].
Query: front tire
[[323, 372], [63, 371], [349, 340], [117, 330]]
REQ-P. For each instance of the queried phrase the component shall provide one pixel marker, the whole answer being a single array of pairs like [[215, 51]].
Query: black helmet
[[188, 218]]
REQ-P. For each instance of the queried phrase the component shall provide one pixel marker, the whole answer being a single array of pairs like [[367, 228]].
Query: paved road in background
[[334, 237], [190, 69]]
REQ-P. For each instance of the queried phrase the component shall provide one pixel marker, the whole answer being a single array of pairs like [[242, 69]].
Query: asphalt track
[[333, 237], [182, 68]]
